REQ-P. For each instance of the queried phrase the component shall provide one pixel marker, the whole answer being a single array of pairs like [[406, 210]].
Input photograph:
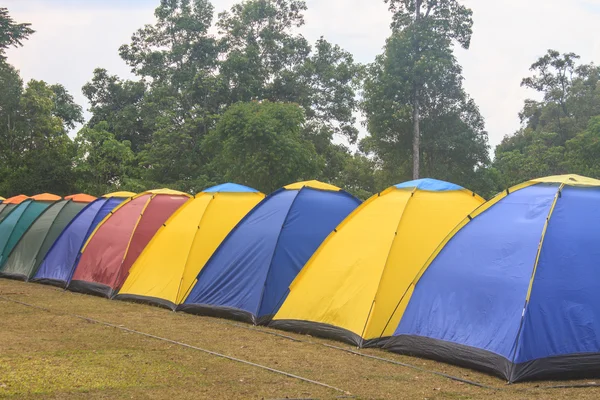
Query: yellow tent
[[350, 287], [168, 267]]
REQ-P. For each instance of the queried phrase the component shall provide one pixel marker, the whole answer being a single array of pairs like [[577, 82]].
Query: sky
[[75, 36]]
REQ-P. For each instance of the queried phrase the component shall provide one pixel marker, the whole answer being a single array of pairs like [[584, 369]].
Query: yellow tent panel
[[169, 265], [351, 286]]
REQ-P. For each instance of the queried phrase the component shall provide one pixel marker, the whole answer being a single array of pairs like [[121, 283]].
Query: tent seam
[[262, 294], [26, 230], [412, 193], [46, 235], [187, 258], [532, 279], [137, 223]]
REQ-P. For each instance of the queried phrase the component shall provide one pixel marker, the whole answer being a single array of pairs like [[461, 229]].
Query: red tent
[[120, 238]]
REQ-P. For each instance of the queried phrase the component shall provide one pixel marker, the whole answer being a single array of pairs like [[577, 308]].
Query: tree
[[260, 145], [11, 33], [557, 128], [40, 153], [263, 59], [103, 163], [121, 104], [582, 153], [419, 52], [452, 140]]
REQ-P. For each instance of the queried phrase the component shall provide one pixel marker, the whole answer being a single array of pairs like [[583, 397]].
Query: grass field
[[54, 354]]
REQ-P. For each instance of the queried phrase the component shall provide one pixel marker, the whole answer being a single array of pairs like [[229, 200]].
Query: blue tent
[[515, 290], [247, 277], [62, 258]]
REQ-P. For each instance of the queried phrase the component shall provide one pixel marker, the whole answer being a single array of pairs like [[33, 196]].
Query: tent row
[[425, 267]]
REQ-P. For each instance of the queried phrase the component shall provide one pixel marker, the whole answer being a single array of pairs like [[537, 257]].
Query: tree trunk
[[416, 123], [416, 135]]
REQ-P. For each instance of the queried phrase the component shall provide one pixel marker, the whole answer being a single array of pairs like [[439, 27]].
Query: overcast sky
[[73, 37]]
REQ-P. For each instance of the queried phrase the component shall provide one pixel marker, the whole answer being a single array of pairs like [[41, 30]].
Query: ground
[[57, 353]]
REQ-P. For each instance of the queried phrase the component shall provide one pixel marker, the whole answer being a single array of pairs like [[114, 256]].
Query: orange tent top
[[81, 198], [46, 197], [16, 199]]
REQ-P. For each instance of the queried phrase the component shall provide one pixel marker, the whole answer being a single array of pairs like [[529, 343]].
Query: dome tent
[[8, 204], [247, 276], [32, 247], [119, 239], [19, 219], [61, 260], [165, 271], [514, 289], [348, 290]]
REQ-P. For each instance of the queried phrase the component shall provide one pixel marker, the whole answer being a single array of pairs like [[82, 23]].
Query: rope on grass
[[213, 353]]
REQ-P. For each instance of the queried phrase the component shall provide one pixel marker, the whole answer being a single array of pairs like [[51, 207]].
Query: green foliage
[[246, 98], [11, 33], [260, 145], [418, 70], [558, 134], [36, 151], [102, 163]]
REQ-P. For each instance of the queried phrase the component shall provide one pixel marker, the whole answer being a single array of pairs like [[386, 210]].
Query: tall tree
[[418, 60], [11, 32], [420, 120]]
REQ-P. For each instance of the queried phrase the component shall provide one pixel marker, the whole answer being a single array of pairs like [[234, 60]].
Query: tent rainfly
[[248, 275], [62, 258], [31, 249], [8, 204], [120, 238], [514, 290], [350, 287], [166, 270], [19, 219]]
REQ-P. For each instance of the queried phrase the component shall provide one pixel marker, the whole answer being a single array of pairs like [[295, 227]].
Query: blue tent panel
[[306, 226], [432, 185], [231, 188], [474, 292], [563, 314], [61, 260], [249, 274], [234, 276]]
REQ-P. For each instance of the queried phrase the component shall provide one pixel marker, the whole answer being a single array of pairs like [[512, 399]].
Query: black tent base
[[95, 289], [153, 301], [219, 312], [317, 329], [15, 277], [575, 366], [50, 282]]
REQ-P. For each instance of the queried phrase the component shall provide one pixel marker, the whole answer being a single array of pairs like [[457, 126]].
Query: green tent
[[9, 204], [18, 221], [30, 251]]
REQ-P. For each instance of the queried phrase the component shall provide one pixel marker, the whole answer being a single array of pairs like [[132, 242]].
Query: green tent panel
[[18, 221], [27, 255], [9, 204]]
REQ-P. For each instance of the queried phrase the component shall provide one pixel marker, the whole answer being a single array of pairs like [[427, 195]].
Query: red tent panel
[[158, 211], [103, 255]]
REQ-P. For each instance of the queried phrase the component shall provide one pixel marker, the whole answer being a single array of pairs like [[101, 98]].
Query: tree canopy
[[243, 96]]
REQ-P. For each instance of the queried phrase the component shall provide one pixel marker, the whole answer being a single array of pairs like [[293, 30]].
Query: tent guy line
[[337, 348], [189, 346]]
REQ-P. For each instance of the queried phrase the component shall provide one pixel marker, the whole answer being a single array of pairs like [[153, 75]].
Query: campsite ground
[[55, 353]]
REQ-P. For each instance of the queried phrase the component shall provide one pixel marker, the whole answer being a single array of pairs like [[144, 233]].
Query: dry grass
[[56, 355]]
